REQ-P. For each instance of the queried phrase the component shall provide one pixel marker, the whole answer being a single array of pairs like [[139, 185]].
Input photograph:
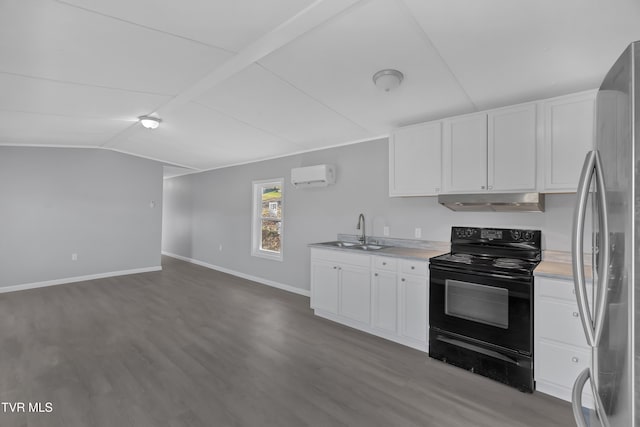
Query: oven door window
[[478, 303]]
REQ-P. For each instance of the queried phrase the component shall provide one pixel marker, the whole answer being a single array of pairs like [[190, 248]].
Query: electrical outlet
[[418, 233], [74, 257], [385, 230]]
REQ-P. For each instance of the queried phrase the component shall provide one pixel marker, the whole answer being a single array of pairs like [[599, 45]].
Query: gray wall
[[59, 201], [209, 209]]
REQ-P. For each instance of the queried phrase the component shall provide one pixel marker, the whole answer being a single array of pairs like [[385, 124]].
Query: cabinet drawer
[[558, 288], [560, 364], [419, 268], [385, 263], [561, 322], [340, 257]]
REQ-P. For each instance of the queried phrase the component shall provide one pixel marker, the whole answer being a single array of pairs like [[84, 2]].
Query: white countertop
[[557, 269], [420, 254]]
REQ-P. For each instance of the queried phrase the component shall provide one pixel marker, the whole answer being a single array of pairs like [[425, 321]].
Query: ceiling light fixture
[[388, 79], [149, 122]]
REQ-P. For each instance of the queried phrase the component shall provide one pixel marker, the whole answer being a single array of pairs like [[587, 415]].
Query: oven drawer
[[385, 263]]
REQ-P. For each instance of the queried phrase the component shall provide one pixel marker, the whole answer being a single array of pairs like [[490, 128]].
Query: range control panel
[[506, 235]]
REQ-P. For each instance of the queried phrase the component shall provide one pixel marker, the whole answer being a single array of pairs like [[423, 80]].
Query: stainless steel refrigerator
[[610, 189]]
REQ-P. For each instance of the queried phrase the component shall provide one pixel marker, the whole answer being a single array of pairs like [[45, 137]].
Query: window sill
[[275, 256]]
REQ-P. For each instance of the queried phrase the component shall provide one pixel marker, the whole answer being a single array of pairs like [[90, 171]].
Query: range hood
[[493, 202]]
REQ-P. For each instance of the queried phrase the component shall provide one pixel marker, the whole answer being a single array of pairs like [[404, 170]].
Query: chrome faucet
[[363, 237]]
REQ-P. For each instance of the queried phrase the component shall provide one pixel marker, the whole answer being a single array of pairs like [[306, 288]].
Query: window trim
[[256, 219]]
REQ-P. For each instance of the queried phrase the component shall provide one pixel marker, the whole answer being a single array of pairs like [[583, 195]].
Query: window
[[266, 231]]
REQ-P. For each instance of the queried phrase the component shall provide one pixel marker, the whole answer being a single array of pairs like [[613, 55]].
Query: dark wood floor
[[188, 346]]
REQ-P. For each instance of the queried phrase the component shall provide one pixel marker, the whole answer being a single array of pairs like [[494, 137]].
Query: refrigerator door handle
[[601, 294], [576, 398], [577, 247], [576, 401]]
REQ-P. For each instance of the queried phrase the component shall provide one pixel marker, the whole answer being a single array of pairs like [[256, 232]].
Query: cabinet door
[[465, 154], [355, 293], [512, 149], [413, 307], [385, 301], [569, 128], [415, 160], [324, 286], [561, 350], [558, 366], [560, 322]]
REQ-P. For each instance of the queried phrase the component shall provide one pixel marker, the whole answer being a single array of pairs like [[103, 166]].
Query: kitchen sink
[[353, 245], [340, 244], [368, 247]]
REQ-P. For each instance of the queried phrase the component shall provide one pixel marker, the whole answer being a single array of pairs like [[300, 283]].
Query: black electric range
[[481, 303]]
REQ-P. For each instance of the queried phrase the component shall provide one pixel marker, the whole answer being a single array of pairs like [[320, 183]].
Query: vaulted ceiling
[[241, 80]]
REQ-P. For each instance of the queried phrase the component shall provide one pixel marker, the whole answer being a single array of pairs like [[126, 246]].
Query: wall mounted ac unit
[[313, 176]]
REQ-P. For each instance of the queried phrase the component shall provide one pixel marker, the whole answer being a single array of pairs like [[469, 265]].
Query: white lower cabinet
[[400, 300], [413, 308], [355, 293], [385, 293], [324, 296], [384, 296], [340, 284], [560, 351], [560, 365]]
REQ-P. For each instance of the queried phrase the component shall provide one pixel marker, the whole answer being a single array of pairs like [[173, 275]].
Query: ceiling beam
[[311, 17]]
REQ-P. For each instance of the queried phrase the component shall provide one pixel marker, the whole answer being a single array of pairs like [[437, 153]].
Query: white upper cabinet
[[415, 160], [569, 129], [465, 154], [512, 142], [537, 146], [493, 151]]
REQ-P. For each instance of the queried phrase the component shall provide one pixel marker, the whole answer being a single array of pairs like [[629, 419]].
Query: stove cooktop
[[470, 262], [493, 250]]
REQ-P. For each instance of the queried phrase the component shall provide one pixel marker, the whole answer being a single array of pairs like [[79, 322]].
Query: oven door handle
[[478, 349]]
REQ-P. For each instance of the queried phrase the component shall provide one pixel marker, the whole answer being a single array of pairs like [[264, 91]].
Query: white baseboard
[[267, 282], [77, 279]]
